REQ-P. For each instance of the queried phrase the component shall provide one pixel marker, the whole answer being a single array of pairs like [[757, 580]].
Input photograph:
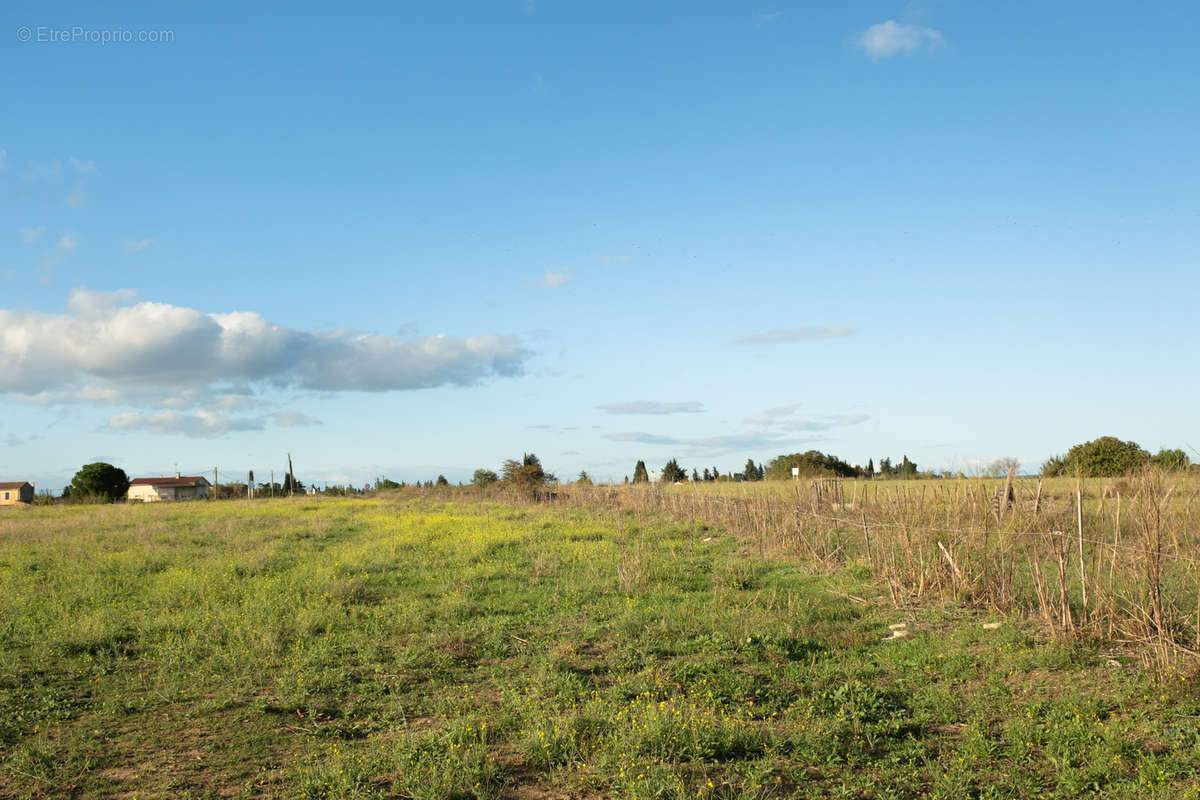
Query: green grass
[[374, 648]]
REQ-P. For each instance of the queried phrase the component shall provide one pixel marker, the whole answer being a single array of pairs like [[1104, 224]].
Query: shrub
[[1105, 457]]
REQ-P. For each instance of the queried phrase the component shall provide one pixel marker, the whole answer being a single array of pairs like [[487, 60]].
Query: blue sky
[[411, 240]]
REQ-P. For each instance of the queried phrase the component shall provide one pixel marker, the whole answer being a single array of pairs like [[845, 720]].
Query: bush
[[813, 462], [1105, 457], [484, 477]]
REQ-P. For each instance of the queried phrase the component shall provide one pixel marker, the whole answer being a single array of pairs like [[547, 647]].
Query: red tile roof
[[14, 484], [185, 480]]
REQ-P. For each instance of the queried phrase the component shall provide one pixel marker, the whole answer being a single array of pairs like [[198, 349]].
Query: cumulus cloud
[[653, 407], [205, 424], [32, 235], [106, 344], [891, 38], [553, 280], [805, 333], [67, 243]]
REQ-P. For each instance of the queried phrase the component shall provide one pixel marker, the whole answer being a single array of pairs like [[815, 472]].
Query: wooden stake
[[1079, 527]]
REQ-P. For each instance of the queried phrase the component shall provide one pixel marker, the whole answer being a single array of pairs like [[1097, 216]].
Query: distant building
[[181, 487], [14, 492]]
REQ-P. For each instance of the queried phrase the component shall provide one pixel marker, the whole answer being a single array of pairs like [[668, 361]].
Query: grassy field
[[414, 649]]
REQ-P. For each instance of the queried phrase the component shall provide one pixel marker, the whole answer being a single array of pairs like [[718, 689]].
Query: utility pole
[[216, 485], [272, 483]]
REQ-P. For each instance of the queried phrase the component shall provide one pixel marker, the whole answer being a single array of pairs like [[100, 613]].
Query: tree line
[[1106, 456]]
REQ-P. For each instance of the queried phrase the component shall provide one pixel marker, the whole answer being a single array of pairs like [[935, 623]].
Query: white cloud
[[32, 235], [553, 280], [802, 334], [207, 424], [826, 423], [294, 419], [708, 446], [82, 166], [138, 246], [76, 198], [782, 416], [769, 416], [67, 243], [233, 401], [104, 345], [767, 19], [891, 38], [653, 407]]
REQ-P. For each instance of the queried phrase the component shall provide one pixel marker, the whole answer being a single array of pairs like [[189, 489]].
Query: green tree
[[99, 480], [870, 467], [812, 462], [441, 481], [673, 473], [1105, 457], [750, 473], [640, 475], [484, 477], [584, 479], [526, 475], [1170, 459]]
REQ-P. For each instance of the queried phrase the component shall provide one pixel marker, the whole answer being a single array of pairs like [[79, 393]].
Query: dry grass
[[1110, 559]]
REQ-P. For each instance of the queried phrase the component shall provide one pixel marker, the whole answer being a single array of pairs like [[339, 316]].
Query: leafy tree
[[484, 477], [695, 475], [751, 473], [584, 479], [526, 475], [907, 469], [1105, 457], [870, 467], [441, 481], [99, 480], [1171, 459], [673, 473], [640, 475], [385, 483], [812, 462], [707, 474]]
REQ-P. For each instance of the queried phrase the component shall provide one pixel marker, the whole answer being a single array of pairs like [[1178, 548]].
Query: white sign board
[[795, 472]]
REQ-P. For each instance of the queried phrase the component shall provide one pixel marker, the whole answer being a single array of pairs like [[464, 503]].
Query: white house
[[154, 490]]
